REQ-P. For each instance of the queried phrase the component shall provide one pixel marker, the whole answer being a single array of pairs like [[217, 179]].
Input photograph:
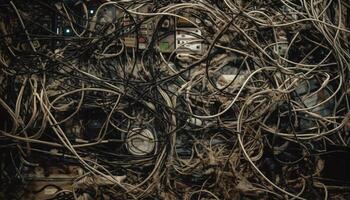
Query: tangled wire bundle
[[256, 112]]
